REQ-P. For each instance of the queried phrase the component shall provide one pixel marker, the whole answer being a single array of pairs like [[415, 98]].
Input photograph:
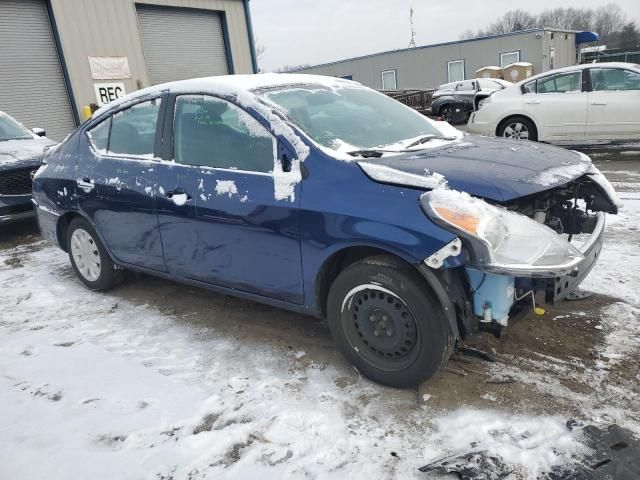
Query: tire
[[518, 128], [446, 112], [88, 257], [388, 323]]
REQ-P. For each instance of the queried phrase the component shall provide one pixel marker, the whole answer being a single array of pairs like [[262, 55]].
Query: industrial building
[[432, 65], [59, 56]]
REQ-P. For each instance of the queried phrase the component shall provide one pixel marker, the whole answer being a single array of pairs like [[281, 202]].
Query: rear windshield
[[12, 130], [350, 117]]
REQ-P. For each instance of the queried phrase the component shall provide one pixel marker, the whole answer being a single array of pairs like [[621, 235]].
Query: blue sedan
[[322, 196]]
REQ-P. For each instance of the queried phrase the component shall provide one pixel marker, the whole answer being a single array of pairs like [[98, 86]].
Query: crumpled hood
[[16, 153], [494, 168]]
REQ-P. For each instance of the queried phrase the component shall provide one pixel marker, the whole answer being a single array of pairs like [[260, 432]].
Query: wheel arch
[[514, 115], [63, 225], [341, 259], [441, 104]]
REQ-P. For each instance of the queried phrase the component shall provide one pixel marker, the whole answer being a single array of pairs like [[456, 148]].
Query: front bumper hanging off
[[558, 288]]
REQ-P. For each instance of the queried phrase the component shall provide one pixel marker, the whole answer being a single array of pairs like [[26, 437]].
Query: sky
[[298, 32]]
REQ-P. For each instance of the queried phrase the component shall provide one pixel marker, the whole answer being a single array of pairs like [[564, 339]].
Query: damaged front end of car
[[512, 257]]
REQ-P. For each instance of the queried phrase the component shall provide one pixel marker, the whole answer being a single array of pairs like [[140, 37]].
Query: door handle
[[598, 102], [532, 102], [179, 196], [85, 184]]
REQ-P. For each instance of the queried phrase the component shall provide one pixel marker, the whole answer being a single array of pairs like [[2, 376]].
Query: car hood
[[493, 168], [16, 153]]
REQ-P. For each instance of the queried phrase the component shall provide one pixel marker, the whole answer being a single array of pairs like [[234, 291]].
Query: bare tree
[[604, 20], [608, 19], [467, 34], [260, 48], [512, 21], [566, 18], [290, 68]]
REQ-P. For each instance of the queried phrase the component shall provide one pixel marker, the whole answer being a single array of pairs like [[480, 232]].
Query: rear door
[[224, 215], [558, 106], [115, 182], [614, 104]]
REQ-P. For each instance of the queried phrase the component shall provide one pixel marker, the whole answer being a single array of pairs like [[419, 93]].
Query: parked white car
[[583, 103]]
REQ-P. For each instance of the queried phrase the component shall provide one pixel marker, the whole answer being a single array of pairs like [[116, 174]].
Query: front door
[[614, 104], [558, 106], [222, 219], [115, 177]]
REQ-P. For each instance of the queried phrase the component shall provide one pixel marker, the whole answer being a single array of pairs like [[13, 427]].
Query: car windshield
[[351, 117], [12, 130]]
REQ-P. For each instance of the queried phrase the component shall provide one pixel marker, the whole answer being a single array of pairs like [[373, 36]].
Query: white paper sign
[[109, 68], [108, 92]]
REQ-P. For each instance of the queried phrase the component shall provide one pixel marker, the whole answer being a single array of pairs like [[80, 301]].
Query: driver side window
[[212, 132]]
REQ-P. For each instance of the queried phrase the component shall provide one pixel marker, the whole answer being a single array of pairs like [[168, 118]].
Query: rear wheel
[[388, 323], [89, 258], [518, 128]]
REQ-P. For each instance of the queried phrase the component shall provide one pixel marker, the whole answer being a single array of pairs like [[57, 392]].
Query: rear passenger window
[[133, 131], [212, 132], [614, 79]]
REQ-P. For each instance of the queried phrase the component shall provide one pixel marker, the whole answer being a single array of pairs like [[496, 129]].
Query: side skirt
[[222, 290]]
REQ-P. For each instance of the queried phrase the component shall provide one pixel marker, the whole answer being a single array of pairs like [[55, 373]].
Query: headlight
[[501, 240]]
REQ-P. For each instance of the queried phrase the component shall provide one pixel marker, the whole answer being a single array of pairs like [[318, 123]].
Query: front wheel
[[446, 112], [518, 128], [388, 322], [89, 259]]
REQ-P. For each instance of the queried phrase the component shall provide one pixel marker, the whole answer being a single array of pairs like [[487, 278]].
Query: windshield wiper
[[426, 138], [367, 153]]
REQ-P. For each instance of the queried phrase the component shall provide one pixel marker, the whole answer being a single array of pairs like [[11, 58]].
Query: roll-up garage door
[[181, 43], [32, 87]]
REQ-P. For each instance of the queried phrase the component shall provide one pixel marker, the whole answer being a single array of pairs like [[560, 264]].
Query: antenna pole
[[412, 43]]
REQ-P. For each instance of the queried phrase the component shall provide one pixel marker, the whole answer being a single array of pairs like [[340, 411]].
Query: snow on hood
[[14, 151], [493, 168], [384, 174], [603, 183], [563, 173]]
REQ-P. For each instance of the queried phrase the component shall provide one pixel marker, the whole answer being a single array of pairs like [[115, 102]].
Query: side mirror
[[39, 132]]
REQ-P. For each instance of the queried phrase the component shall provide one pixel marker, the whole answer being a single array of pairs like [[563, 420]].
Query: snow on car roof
[[242, 87], [573, 68], [233, 85]]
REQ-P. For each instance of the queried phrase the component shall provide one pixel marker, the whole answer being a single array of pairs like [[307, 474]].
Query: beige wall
[[565, 49], [426, 67], [103, 28]]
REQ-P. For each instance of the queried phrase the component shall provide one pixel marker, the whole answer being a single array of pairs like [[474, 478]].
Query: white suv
[[594, 102]]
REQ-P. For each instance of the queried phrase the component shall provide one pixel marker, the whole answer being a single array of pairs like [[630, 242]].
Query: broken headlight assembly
[[500, 240]]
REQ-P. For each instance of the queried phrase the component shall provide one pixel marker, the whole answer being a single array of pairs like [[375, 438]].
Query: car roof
[[582, 66], [231, 85]]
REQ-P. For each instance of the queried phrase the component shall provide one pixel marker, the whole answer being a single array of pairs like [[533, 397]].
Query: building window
[[347, 77], [389, 81], [508, 58], [552, 57], [455, 70]]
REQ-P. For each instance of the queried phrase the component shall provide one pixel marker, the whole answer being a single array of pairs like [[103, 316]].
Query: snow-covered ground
[[103, 386]]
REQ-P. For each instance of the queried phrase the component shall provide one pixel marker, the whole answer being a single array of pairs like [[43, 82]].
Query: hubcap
[[517, 131], [380, 326], [445, 113], [85, 254]]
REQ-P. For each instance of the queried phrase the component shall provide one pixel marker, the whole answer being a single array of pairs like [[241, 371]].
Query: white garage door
[[181, 43], [32, 87]]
